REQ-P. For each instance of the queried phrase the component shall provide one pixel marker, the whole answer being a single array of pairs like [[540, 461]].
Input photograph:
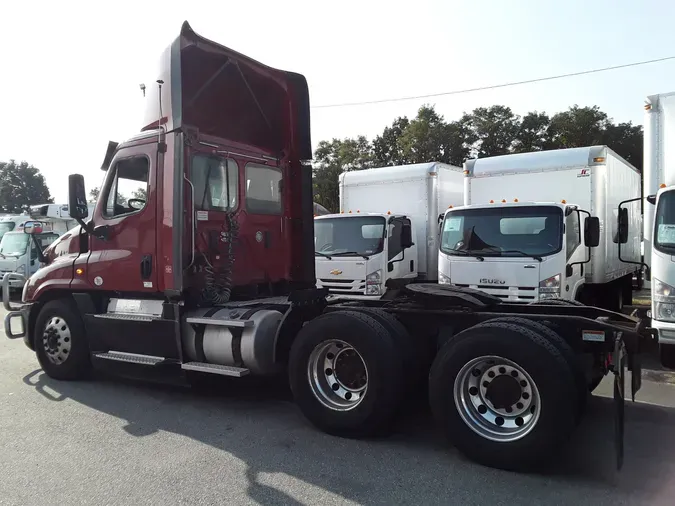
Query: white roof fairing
[[537, 161], [393, 173]]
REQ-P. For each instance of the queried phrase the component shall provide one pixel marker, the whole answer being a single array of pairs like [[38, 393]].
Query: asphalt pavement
[[111, 441]]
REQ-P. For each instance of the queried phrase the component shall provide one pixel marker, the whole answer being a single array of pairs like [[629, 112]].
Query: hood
[[226, 94], [65, 244]]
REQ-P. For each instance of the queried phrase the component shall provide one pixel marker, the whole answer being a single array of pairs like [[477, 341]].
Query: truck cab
[[520, 252], [356, 253], [19, 254]]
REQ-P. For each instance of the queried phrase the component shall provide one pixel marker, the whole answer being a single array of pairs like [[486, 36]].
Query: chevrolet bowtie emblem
[[336, 272]]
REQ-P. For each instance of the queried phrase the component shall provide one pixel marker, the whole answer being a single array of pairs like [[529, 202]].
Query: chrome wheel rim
[[497, 398], [56, 340], [337, 375]]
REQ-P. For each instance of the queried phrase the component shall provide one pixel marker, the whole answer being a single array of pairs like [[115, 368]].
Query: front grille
[[343, 286], [508, 293]]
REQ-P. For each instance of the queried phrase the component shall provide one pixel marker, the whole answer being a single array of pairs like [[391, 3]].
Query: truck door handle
[[146, 266]]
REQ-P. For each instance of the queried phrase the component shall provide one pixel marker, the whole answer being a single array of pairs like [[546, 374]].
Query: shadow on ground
[[255, 421]]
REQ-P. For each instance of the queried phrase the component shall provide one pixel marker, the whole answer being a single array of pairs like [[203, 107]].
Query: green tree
[[93, 194], [578, 127], [333, 158], [21, 185], [533, 133], [627, 140], [386, 147], [140, 194], [492, 131]]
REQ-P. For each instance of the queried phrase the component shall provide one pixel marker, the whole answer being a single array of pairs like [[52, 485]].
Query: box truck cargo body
[[524, 232], [387, 227], [659, 217]]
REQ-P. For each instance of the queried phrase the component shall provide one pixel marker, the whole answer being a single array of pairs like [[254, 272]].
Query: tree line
[[485, 131]]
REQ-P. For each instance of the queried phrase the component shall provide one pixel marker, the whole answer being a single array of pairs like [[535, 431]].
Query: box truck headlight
[[374, 283], [550, 287], [443, 279], [21, 269], [664, 301]]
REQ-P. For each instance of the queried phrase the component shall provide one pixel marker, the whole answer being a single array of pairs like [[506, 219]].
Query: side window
[[572, 233], [216, 181], [263, 189], [128, 187], [395, 239]]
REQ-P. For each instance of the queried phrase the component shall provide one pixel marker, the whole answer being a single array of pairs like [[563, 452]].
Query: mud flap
[[619, 365]]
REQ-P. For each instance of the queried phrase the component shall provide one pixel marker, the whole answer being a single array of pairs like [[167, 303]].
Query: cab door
[[126, 212]]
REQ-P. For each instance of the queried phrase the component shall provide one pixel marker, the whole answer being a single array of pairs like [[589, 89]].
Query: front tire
[[667, 355], [358, 396], [504, 395], [60, 341]]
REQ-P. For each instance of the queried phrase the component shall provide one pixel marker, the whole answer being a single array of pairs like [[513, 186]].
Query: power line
[[494, 86]]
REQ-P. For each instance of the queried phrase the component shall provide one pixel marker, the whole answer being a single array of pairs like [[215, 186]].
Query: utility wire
[[494, 86]]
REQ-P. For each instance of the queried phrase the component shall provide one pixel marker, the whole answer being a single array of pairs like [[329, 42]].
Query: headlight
[[550, 287], [443, 279], [664, 301], [21, 269], [373, 283]]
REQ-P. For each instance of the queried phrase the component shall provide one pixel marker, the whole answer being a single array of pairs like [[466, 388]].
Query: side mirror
[[406, 236], [32, 227], [77, 198], [651, 199], [592, 231], [623, 225]]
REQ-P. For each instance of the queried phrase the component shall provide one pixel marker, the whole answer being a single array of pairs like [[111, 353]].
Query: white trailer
[[659, 217], [387, 227], [531, 221]]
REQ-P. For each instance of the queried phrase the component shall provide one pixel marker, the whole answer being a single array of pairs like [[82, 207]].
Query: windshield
[[503, 231], [351, 236], [6, 226], [14, 244], [665, 223]]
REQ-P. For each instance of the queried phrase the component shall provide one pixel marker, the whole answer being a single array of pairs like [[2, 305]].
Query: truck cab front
[[520, 252], [355, 253]]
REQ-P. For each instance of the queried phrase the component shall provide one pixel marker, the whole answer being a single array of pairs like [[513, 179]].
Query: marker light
[[388, 212], [350, 211], [662, 185], [492, 202], [515, 200], [563, 201], [648, 107], [79, 271], [599, 159], [503, 201], [449, 207]]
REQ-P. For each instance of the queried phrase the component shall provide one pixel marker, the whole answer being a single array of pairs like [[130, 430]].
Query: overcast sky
[[70, 71]]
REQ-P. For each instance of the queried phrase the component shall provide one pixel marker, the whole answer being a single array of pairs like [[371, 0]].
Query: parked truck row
[[213, 272]]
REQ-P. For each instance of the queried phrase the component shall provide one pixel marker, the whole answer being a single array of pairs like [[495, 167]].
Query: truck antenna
[[160, 82], [142, 86]]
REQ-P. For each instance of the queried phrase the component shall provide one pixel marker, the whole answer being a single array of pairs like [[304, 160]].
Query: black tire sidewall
[[385, 373], [544, 364], [78, 363]]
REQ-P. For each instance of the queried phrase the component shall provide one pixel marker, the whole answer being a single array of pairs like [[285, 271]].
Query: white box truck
[[387, 227], [544, 225], [659, 217], [19, 254]]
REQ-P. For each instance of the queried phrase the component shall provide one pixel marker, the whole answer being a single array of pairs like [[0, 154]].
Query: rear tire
[[557, 302], [667, 353], [465, 416], [563, 347], [60, 341], [335, 405]]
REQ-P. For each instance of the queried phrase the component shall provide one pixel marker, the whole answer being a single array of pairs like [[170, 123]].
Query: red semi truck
[[213, 273]]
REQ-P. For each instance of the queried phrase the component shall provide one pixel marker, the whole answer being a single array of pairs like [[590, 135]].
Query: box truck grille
[[343, 285], [509, 293]]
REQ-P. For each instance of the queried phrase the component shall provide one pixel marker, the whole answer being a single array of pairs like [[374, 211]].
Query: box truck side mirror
[[592, 231], [651, 199], [406, 236], [77, 198], [623, 225], [32, 227]]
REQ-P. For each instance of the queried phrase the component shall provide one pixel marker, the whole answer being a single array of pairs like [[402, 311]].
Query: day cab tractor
[[212, 272]]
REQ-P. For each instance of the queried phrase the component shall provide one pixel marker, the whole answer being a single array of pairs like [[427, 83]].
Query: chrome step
[[126, 316], [131, 358], [224, 323], [223, 370]]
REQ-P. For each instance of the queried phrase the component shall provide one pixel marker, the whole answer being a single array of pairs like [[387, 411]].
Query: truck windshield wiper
[[522, 253], [323, 255], [347, 253], [467, 253]]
